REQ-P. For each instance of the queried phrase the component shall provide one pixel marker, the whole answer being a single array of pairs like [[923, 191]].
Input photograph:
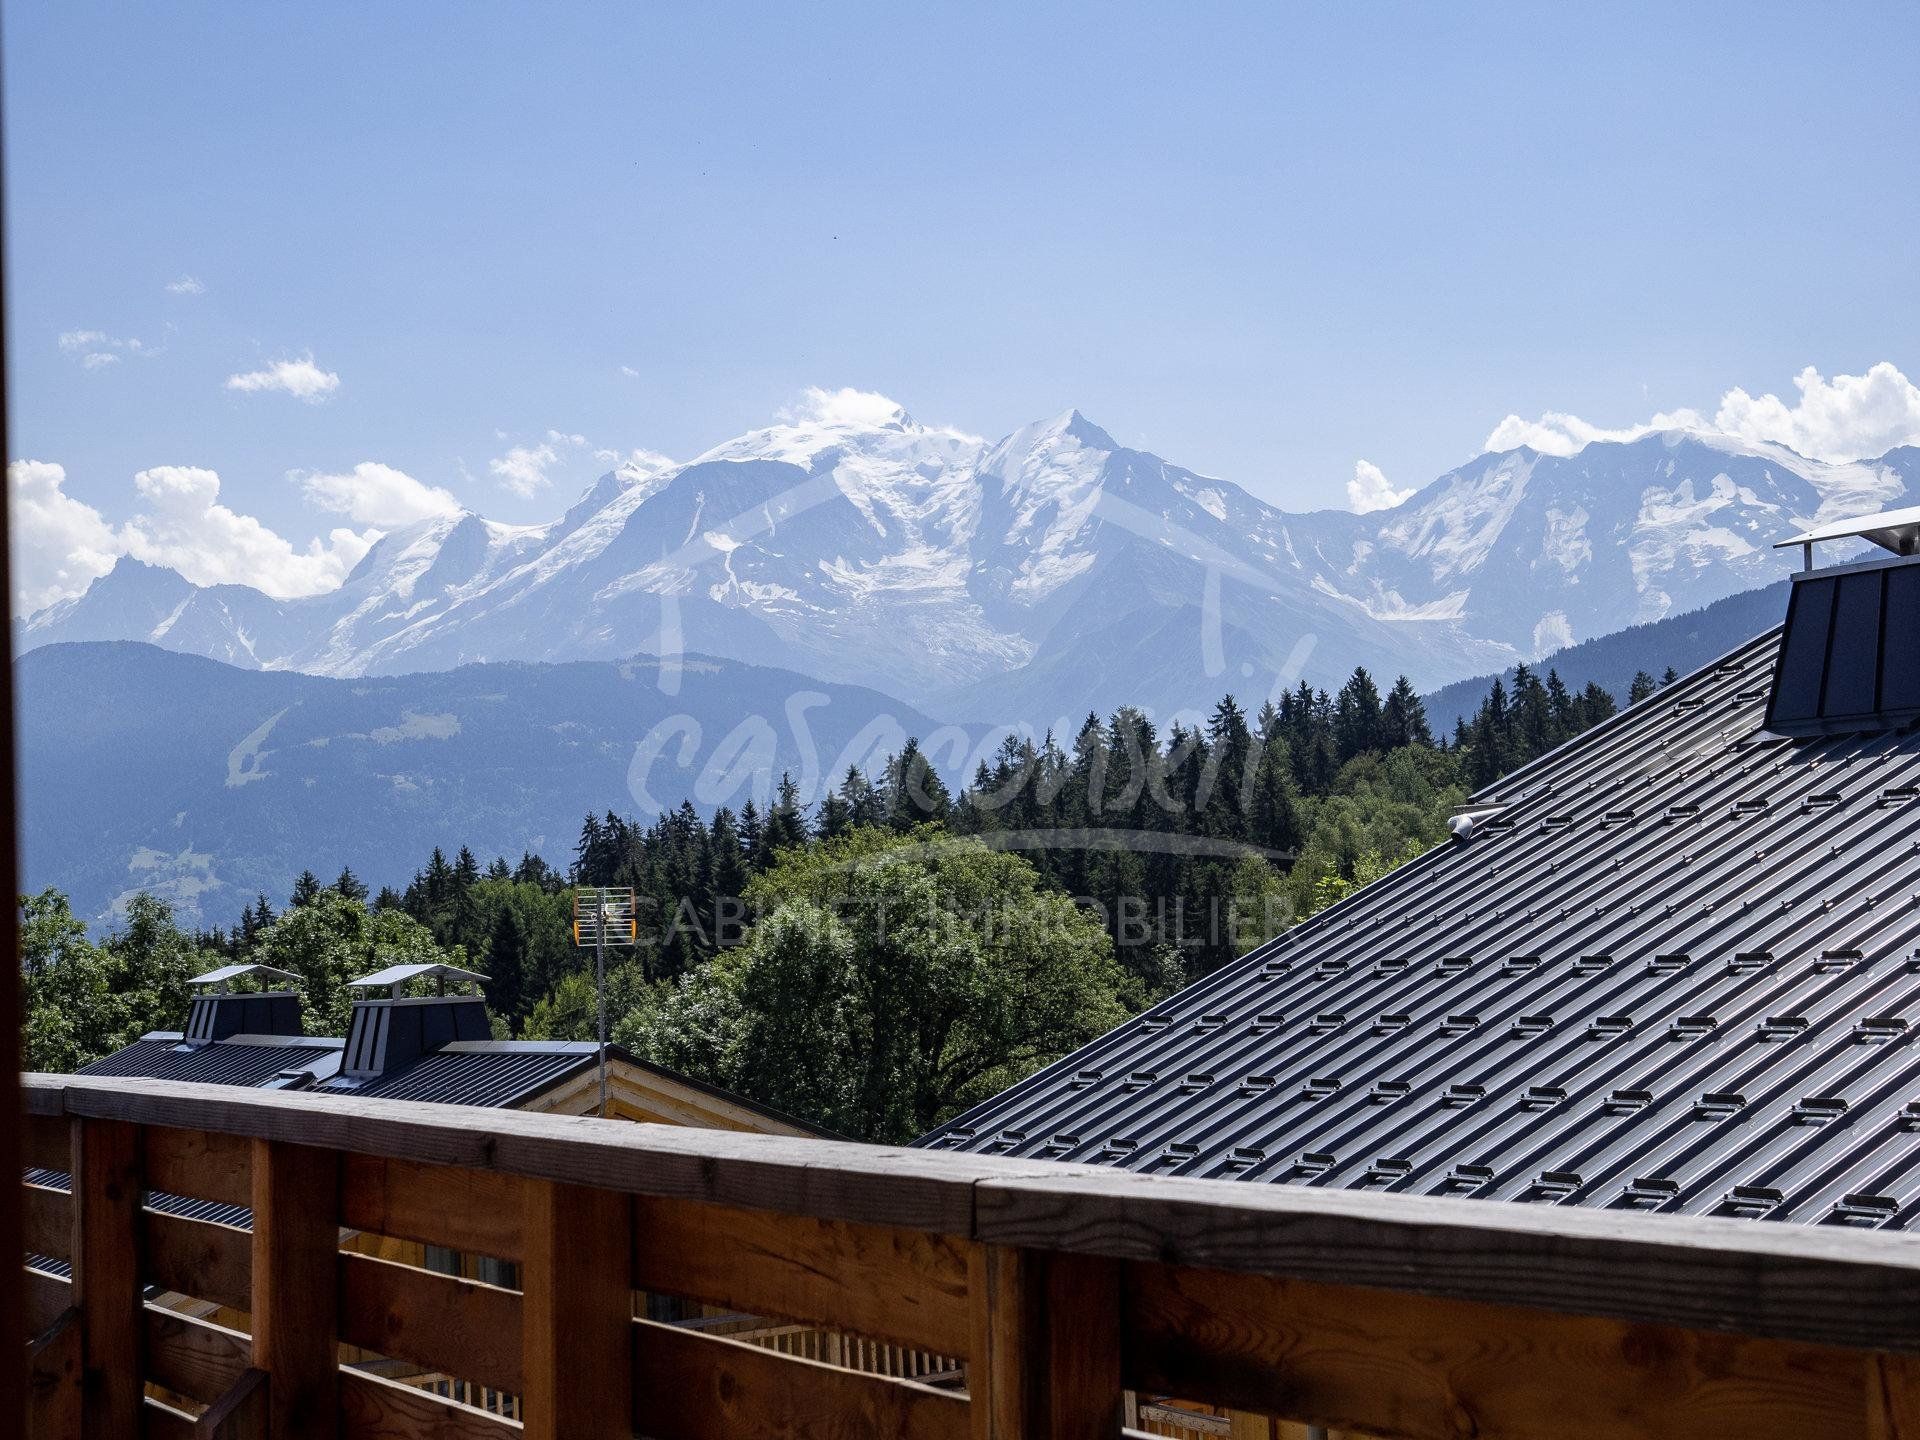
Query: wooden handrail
[[1057, 1284]]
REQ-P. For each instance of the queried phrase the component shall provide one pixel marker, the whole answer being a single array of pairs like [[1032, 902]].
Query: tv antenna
[[603, 915]]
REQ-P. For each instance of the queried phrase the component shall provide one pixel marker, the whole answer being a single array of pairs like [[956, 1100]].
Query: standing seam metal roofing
[[1675, 970], [237, 1060]]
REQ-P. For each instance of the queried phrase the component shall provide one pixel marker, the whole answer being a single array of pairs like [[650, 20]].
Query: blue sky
[[1264, 243]]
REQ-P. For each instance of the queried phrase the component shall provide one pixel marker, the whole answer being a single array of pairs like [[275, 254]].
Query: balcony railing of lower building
[[237, 1263]]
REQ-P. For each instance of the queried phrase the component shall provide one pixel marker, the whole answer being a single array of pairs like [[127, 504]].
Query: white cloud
[[1368, 489], [1850, 417], [186, 285], [865, 408], [376, 494], [60, 544], [300, 378], [96, 348], [630, 372], [523, 469], [186, 527]]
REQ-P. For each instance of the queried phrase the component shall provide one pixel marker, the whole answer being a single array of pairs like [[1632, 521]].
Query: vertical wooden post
[[576, 1317], [1893, 1397], [296, 1326], [107, 1236], [1046, 1346]]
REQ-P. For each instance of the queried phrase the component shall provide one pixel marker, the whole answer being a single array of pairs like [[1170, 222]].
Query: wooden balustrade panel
[[199, 1258], [199, 1163], [47, 1298], [161, 1421], [194, 1357], [1420, 1368], [45, 1143], [47, 1222], [441, 1322], [906, 1286], [706, 1387], [108, 1243], [373, 1408], [53, 1378], [477, 1211]]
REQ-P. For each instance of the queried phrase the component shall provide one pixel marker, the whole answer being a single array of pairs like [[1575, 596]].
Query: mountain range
[[1033, 579]]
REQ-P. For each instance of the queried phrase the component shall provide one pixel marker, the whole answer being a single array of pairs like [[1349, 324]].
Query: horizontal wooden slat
[[206, 1166], [160, 1421], [476, 1211], [194, 1357], [47, 1220], [704, 1387], [48, 1297], [1429, 1369], [905, 1286], [1821, 1284], [454, 1326], [195, 1257], [372, 1408], [45, 1143]]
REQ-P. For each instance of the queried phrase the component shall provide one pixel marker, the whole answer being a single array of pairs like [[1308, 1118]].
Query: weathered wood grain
[[201, 1164], [441, 1322], [53, 1394], [1821, 1284], [1429, 1369], [47, 1298], [1045, 1346], [704, 1387], [240, 1413], [200, 1258], [1893, 1397], [44, 1141], [194, 1357], [106, 1272], [372, 1408], [296, 1244], [476, 1211], [47, 1222], [904, 1286], [578, 1278]]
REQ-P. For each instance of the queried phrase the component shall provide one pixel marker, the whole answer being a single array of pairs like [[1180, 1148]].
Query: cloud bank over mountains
[[1850, 417]]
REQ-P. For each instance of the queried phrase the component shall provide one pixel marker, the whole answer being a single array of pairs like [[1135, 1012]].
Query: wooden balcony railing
[[1061, 1287]]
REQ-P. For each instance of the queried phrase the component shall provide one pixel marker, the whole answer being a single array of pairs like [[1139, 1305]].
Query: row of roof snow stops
[[1741, 1045]]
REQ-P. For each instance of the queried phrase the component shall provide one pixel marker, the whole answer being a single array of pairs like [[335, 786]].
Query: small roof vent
[[1847, 664], [218, 1011]]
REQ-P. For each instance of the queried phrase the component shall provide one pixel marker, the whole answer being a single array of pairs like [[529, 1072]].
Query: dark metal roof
[[238, 1060], [1849, 661], [1673, 968], [501, 1073]]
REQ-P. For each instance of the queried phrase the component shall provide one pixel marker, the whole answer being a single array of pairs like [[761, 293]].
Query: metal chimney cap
[[227, 973], [1895, 530]]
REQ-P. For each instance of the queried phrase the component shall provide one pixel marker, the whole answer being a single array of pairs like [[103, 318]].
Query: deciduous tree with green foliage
[[894, 980]]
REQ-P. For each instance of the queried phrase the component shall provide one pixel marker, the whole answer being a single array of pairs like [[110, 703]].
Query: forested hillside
[[901, 950]]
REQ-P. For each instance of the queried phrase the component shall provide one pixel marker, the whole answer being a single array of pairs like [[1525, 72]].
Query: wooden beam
[[477, 1211], [577, 1276], [1893, 1397], [904, 1286], [47, 1222], [194, 1357], [54, 1394], [706, 1387], [1780, 1281], [460, 1327], [239, 1414], [47, 1298], [1425, 1369], [1045, 1350], [107, 1272], [206, 1166], [373, 1408], [199, 1258], [296, 1239]]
